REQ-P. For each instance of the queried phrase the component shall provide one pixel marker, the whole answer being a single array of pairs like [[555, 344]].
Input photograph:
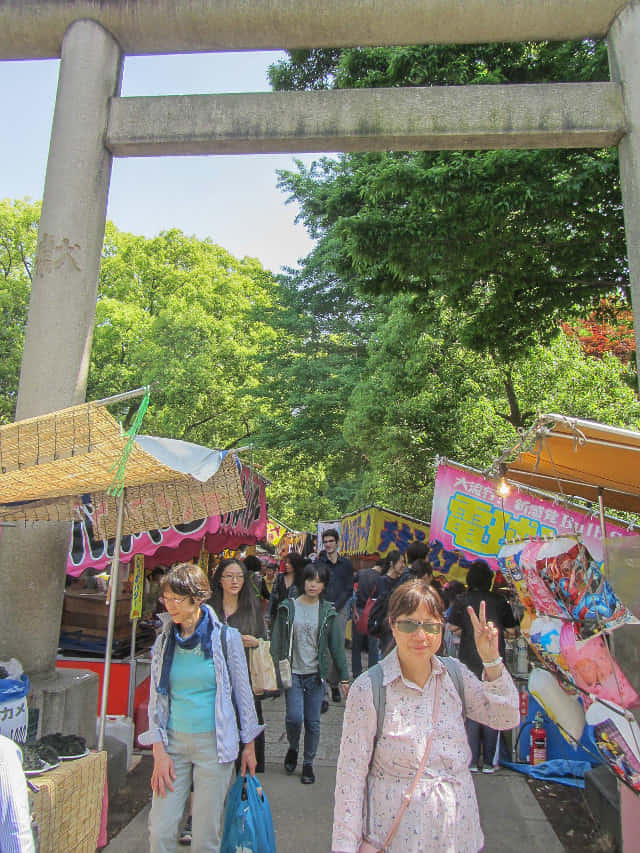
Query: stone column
[[623, 41], [60, 325]]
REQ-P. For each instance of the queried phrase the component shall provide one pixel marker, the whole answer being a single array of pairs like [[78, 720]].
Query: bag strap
[[379, 692], [406, 797], [291, 631], [223, 641], [453, 668]]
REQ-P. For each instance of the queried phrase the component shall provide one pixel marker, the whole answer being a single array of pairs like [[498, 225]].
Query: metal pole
[[605, 562], [113, 601], [119, 398], [132, 669]]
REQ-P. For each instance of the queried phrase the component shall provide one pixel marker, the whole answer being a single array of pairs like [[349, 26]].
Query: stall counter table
[[68, 804]]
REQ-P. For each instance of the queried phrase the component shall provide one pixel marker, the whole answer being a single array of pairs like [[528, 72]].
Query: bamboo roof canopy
[[59, 466]]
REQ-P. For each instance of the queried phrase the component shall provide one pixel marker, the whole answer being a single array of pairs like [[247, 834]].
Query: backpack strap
[[453, 668], [379, 698], [223, 641]]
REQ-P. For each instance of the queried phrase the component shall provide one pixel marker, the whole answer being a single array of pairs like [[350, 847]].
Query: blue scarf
[[201, 636]]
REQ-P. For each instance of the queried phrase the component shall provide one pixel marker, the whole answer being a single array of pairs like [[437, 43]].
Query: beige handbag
[[262, 670]]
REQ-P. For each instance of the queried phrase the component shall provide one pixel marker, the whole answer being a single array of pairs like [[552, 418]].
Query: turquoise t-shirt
[[192, 687]]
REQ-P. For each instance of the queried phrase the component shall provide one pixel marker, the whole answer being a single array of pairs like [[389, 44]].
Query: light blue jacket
[[236, 676]]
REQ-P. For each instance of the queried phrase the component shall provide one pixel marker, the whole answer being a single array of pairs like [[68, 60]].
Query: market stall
[[378, 530], [585, 635], [77, 462]]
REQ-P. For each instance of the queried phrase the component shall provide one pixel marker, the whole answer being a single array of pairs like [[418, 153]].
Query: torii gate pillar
[[56, 354]]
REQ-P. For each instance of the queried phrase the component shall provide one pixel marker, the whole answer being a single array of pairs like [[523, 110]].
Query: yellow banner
[[137, 587], [275, 531], [203, 559], [378, 530]]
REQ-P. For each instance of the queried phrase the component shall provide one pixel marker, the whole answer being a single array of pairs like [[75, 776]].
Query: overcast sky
[[231, 199]]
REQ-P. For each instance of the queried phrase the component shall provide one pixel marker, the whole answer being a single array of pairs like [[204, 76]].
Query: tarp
[[54, 466], [177, 542], [579, 457], [376, 529], [470, 518]]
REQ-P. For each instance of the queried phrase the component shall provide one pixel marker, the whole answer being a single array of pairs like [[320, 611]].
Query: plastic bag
[[14, 714], [248, 825]]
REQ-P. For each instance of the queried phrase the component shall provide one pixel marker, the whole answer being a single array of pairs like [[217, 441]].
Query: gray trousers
[[196, 759]]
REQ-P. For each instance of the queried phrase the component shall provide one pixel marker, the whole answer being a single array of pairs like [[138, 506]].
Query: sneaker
[[324, 707], [489, 768], [335, 694], [291, 761], [185, 835], [474, 768], [308, 776]]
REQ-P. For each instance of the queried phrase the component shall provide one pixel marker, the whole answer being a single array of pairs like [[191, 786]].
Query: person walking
[[307, 632], [235, 603], [482, 737], [369, 584], [339, 591], [288, 583], [198, 685], [403, 783]]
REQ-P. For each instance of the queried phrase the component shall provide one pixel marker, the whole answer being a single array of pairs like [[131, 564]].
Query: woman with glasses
[[197, 686], [404, 734], [235, 603]]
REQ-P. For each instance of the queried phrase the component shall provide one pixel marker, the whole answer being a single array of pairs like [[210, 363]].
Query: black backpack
[[377, 624]]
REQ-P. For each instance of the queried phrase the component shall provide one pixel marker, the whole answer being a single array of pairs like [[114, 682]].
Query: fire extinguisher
[[524, 702], [537, 741]]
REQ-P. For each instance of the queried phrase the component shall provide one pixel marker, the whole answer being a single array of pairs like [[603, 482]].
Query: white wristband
[[487, 664]]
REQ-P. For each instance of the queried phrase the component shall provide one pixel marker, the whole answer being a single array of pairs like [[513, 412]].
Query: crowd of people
[[421, 715]]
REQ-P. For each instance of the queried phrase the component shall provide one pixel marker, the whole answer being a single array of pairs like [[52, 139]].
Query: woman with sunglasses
[[407, 734], [235, 602], [197, 686]]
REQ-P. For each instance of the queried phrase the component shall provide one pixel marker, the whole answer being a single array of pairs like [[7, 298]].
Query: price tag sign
[[137, 587]]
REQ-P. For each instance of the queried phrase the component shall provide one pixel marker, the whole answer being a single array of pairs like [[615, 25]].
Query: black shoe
[[291, 761], [185, 835], [308, 776], [336, 695], [324, 707]]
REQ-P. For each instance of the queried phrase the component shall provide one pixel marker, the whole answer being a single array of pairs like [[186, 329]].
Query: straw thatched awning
[[53, 467]]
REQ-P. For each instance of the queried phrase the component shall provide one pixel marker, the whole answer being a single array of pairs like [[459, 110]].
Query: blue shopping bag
[[248, 825]]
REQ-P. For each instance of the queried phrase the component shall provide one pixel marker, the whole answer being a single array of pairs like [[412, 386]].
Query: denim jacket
[[236, 677]]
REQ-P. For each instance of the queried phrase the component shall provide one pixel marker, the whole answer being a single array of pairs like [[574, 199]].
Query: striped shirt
[[15, 819]]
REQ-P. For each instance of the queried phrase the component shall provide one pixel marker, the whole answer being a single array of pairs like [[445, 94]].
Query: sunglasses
[[410, 626]]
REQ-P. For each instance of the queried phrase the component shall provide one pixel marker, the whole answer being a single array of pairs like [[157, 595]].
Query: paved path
[[302, 814]]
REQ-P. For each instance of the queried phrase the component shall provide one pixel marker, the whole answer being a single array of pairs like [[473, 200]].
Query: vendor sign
[[179, 542], [470, 518], [378, 530], [275, 531], [137, 587]]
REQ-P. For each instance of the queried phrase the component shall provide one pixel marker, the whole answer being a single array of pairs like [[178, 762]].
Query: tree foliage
[[518, 240]]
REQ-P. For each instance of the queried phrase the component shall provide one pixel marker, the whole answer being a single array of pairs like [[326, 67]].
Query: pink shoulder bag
[[366, 846]]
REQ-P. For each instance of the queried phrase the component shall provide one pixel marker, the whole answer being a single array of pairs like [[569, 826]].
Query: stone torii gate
[[92, 124]]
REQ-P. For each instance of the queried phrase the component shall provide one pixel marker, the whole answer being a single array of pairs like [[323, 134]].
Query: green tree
[[18, 235], [517, 239]]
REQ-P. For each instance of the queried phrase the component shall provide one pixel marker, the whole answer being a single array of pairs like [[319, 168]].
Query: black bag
[[377, 625]]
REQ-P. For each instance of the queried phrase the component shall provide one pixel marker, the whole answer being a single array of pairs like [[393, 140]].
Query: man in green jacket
[[306, 632]]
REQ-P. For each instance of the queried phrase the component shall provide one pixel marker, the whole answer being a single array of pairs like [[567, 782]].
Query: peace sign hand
[[484, 633]]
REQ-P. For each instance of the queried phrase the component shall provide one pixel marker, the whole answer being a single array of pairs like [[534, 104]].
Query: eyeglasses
[[232, 577], [168, 599], [410, 626]]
